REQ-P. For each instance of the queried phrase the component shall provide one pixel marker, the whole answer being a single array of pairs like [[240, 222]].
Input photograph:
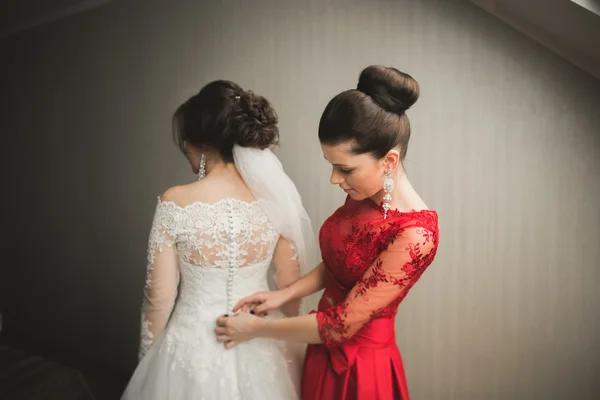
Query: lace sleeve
[[382, 288], [162, 276], [287, 271]]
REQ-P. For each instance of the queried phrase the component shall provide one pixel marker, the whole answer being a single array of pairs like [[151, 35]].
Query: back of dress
[[202, 259], [212, 243]]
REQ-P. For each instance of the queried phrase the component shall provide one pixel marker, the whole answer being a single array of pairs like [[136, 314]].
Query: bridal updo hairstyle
[[373, 116], [221, 115]]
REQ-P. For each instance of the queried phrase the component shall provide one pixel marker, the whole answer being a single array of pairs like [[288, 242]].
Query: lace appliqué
[[332, 322], [364, 243], [383, 275], [147, 338], [371, 281], [295, 251], [163, 234], [229, 233], [206, 233]]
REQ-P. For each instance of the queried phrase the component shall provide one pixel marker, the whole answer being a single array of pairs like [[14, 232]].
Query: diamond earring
[[202, 169], [388, 186]]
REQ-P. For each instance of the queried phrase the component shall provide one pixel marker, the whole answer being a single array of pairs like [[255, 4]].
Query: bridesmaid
[[375, 248]]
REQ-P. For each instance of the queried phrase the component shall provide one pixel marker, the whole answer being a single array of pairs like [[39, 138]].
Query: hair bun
[[392, 90], [254, 121]]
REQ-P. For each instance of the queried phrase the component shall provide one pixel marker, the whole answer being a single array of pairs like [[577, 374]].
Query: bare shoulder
[[176, 194], [208, 190]]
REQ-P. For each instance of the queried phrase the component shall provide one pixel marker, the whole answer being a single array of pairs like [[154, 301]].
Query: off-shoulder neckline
[[202, 203]]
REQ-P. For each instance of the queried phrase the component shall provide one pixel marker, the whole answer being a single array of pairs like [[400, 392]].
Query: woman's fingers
[[222, 327], [221, 330], [246, 301], [224, 333], [231, 344], [262, 309], [249, 301], [223, 338]]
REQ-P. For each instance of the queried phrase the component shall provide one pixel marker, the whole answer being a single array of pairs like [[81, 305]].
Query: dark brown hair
[[223, 114], [372, 116]]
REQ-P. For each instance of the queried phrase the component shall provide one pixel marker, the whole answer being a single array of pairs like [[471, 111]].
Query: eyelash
[[346, 171]]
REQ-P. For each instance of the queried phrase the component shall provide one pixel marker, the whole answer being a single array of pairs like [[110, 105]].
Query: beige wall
[[506, 146]]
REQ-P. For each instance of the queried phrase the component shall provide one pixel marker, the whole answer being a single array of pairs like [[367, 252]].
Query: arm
[[377, 294], [264, 301], [162, 277], [287, 271], [304, 329], [382, 288], [308, 284]]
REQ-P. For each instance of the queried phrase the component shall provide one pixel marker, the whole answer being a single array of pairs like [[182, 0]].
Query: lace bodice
[[371, 264], [200, 249], [229, 232]]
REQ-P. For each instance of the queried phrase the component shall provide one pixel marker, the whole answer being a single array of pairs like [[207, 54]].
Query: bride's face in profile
[[359, 175]]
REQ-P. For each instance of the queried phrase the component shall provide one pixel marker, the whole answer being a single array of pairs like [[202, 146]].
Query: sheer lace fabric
[[202, 259], [372, 263]]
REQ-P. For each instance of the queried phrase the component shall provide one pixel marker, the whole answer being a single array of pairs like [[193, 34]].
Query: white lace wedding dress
[[202, 259]]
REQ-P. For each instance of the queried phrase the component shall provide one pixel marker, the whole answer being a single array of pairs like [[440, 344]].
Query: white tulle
[[279, 199]]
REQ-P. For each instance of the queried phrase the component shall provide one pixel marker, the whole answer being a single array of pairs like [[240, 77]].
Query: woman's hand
[[262, 302], [237, 329]]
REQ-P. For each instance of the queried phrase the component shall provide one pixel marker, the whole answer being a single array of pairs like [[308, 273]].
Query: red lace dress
[[370, 264]]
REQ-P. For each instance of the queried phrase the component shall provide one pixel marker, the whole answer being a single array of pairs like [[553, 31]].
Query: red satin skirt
[[366, 367]]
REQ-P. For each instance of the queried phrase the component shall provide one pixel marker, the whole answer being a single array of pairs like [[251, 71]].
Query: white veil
[[279, 199]]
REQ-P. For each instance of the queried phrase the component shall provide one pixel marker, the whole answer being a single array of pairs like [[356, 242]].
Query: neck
[[215, 166], [219, 167]]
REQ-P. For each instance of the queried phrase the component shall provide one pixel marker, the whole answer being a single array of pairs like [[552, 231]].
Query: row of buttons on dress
[[232, 260]]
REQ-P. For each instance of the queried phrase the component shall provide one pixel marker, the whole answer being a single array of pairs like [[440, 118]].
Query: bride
[[211, 244]]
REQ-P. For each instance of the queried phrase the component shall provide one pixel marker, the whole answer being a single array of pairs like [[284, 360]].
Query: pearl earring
[[388, 186], [202, 168]]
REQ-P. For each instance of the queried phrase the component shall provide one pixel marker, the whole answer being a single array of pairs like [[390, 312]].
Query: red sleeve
[[381, 288]]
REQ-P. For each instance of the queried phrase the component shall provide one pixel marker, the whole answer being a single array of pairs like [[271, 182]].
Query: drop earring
[[388, 186], [202, 168]]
